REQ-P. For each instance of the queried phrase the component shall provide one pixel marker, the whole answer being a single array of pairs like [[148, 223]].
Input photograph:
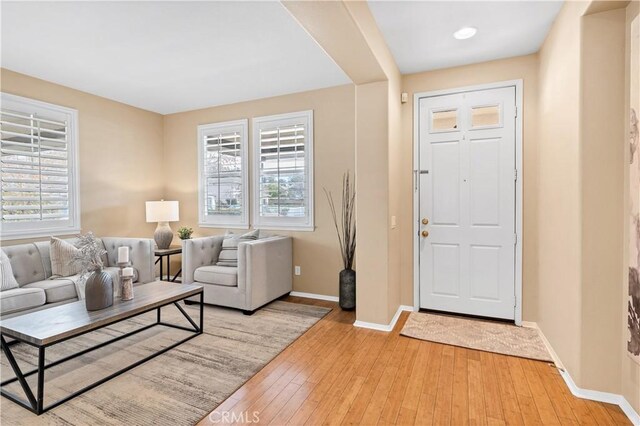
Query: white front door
[[467, 189]]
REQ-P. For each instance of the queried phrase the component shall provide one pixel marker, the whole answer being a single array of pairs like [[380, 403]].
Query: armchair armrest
[[198, 252], [140, 255], [265, 269]]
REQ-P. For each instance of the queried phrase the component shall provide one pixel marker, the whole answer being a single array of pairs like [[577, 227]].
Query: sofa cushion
[[56, 290], [218, 275], [63, 263], [229, 253], [18, 299], [7, 280], [26, 263]]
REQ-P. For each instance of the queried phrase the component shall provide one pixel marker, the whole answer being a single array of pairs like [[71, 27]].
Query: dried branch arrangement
[[346, 225], [89, 254]]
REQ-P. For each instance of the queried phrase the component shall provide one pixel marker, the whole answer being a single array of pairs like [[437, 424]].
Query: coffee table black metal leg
[[21, 379], [40, 407], [168, 267], [159, 316], [201, 311]]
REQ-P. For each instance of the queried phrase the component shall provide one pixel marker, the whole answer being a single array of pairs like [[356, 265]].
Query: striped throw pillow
[[229, 253], [62, 263], [6, 273]]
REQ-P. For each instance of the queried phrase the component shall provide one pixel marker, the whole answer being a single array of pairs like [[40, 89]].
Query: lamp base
[[163, 235]]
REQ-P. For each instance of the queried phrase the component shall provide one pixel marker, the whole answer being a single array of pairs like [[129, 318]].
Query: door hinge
[[515, 239], [515, 174], [516, 112]]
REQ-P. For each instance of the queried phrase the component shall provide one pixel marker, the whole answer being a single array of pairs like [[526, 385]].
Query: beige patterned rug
[[486, 336], [178, 387]]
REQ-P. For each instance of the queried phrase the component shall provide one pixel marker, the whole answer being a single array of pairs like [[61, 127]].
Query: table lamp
[[163, 212]]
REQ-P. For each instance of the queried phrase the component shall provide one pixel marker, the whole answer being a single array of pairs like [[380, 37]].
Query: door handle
[[424, 234], [425, 221]]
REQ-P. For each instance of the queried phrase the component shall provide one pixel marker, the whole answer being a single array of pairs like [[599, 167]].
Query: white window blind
[[283, 171], [38, 182], [223, 174]]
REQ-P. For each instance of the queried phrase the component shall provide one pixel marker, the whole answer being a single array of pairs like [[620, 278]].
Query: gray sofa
[[264, 272], [31, 265]]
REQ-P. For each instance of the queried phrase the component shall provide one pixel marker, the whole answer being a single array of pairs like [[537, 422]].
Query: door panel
[[446, 182], [467, 195], [446, 267], [484, 182]]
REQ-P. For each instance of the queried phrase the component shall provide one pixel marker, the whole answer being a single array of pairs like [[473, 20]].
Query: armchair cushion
[[218, 275]]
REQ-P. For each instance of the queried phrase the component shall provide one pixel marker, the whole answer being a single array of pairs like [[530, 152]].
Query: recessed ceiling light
[[465, 33]]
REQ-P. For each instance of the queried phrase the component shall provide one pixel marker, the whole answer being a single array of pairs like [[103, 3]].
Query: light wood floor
[[339, 374]]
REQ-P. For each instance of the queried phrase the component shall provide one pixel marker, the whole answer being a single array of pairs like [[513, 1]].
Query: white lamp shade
[[163, 211]]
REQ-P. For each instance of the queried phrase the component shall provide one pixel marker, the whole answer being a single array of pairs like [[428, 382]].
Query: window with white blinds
[[283, 172], [223, 174], [38, 169]]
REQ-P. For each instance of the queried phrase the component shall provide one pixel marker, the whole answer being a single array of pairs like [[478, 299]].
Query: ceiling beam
[[333, 27]]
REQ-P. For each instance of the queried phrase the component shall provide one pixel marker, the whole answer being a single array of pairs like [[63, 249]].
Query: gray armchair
[[264, 272]]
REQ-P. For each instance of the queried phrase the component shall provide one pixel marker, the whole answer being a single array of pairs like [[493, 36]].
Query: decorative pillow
[[62, 263], [6, 273], [229, 253]]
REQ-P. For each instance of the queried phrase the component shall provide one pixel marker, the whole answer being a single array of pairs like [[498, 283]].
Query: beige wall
[[559, 267], [602, 147], [316, 252], [372, 202], [525, 68], [120, 156], [630, 371], [389, 158]]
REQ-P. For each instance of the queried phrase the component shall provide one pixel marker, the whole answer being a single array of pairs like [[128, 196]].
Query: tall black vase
[[348, 289]]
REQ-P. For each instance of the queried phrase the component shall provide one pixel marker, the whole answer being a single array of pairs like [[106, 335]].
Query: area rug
[[486, 336], [179, 387]]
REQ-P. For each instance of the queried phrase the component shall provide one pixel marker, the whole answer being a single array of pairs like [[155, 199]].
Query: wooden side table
[[161, 254]]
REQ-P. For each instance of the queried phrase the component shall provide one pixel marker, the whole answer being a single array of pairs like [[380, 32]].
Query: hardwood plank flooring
[[339, 374]]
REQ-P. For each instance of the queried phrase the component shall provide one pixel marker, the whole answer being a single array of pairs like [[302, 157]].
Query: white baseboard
[[314, 296], [610, 398], [554, 355], [384, 327]]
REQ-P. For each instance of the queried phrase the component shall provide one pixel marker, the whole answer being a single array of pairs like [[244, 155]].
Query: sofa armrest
[[265, 269], [198, 252], [141, 255]]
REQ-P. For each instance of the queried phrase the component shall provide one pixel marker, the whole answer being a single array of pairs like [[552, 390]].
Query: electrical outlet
[[297, 270]]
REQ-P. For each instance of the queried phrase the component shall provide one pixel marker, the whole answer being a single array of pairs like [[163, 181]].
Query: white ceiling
[[420, 34], [166, 56]]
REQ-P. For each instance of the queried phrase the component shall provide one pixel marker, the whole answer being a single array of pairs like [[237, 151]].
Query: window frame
[[224, 221], [34, 229], [284, 223]]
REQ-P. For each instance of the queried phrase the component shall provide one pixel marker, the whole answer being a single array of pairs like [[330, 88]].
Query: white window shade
[[38, 173], [223, 183], [283, 171]]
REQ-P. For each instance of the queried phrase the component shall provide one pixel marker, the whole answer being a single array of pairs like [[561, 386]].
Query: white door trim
[[416, 202]]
